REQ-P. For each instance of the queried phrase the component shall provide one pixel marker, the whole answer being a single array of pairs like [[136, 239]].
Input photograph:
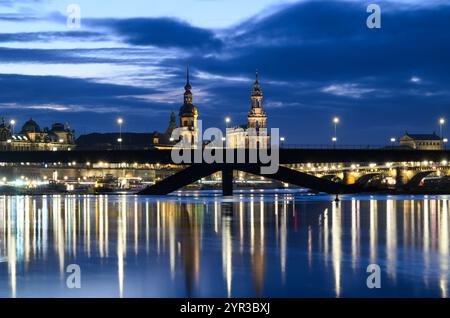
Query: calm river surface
[[253, 245]]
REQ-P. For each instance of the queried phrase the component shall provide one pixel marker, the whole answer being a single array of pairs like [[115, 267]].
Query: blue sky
[[317, 59]]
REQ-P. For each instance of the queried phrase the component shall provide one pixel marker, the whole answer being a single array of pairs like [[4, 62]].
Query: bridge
[[396, 160]]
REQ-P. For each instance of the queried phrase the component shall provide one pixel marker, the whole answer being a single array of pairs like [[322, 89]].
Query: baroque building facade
[[422, 141], [188, 117], [254, 134], [32, 138]]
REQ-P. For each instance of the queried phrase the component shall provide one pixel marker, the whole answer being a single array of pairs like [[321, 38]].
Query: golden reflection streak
[[60, 236], [241, 225], [413, 223], [325, 235], [336, 245], [283, 241], [26, 231], [262, 228], [12, 256], [88, 211], [227, 253], [158, 227], [252, 226], [426, 239], [355, 232], [391, 237], [100, 212], [34, 227], [216, 217], [147, 228], [172, 241], [373, 230], [106, 223], [444, 248], [121, 235], [136, 228]]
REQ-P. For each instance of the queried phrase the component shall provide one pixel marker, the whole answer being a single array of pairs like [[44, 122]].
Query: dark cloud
[[86, 103], [325, 40], [162, 32]]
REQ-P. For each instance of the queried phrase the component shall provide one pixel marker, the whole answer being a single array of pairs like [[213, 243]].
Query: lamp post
[[445, 140], [227, 121], [335, 122], [441, 124], [282, 139], [119, 140], [13, 124], [393, 140]]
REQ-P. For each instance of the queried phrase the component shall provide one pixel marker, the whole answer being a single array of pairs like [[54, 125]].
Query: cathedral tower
[[257, 116], [188, 115]]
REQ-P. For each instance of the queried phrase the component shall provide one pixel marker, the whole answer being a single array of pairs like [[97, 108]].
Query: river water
[[260, 244]]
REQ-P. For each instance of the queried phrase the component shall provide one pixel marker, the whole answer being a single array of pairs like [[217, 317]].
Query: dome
[[58, 127], [188, 110], [31, 126]]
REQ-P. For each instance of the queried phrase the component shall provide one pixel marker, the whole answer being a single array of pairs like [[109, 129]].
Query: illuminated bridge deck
[[287, 156]]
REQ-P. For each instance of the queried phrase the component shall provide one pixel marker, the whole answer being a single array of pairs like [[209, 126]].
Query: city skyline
[[130, 64]]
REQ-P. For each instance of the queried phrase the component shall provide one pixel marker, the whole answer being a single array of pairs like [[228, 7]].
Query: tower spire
[[256, 91], [187, 88], [188, 80]]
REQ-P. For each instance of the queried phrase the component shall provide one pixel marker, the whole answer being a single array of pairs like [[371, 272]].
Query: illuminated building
[[33, 138], [188, 117], [422, 141], [254, 134]]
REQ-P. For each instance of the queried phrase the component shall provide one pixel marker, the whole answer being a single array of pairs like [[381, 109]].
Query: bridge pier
[[399, 177], [347, 177], [227, 181]]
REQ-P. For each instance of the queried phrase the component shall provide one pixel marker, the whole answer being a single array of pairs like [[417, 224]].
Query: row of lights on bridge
[[334, 139]]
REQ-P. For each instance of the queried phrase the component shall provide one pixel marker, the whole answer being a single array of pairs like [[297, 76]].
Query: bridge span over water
[[197, 171]]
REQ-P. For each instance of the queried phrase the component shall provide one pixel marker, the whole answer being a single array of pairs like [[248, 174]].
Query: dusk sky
[[317, 60]]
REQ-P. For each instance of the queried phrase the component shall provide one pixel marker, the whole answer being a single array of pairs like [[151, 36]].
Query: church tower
[[188, 115], [257, 117]]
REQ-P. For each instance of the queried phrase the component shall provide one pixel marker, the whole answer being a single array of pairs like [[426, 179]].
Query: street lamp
[[227, 121], [119, 140], [441, 123], [445, 140], [393, 140], [335, 122], [282, 139], [13, 123]]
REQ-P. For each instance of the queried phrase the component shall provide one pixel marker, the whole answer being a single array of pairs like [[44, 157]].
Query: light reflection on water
[[274, 245]]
